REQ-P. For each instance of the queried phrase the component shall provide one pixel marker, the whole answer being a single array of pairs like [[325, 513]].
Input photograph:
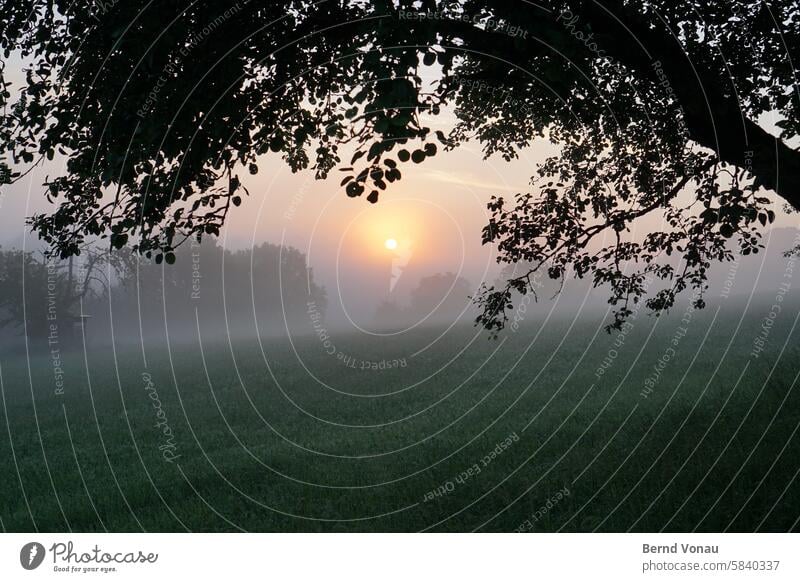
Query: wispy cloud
[[469, 181]]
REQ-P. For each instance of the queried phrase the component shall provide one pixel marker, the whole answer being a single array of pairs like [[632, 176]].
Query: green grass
[[706, 450]]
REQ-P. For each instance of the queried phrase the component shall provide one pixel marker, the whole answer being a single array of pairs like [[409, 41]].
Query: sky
[[435, 213]]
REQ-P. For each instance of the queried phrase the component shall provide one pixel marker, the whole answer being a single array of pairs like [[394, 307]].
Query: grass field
[[522, 433]]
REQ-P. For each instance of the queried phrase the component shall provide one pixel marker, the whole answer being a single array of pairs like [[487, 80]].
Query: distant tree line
[[208, 289]]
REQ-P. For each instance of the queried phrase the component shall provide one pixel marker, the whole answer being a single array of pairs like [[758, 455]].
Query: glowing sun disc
[[390, 244]]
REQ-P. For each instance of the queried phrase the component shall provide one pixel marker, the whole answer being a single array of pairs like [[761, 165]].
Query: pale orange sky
[[436, 213]]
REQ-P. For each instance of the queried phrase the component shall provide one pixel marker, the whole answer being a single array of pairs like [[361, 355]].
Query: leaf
[[709, 216], [276, 144], [726, 230], [354, 189], [118, 240]]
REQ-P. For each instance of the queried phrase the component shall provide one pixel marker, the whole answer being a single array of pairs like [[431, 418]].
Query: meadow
[[674, 424]]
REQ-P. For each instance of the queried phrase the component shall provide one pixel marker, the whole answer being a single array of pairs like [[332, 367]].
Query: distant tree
[[220, 290], [655, 106], [28, 289], [37, 292], [444, 295]]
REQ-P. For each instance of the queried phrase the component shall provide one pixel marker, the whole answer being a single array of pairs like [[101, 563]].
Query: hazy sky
[[435, 213]]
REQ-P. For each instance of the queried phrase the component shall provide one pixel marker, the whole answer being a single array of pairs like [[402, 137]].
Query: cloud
[[467, 180]]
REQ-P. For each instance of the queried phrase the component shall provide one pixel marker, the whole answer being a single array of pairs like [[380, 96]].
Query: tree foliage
[[657, 107]]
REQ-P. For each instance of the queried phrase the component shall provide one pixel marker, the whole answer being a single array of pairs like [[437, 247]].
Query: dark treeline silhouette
[[262, 290], [209, 290]]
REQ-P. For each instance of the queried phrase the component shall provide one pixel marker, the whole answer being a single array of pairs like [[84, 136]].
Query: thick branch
[[713, 116]]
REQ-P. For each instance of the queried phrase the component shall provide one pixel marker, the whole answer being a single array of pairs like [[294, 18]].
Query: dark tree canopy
[[657, 108]]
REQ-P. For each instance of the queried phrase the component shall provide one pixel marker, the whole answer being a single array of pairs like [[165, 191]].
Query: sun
[[390, 244]]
